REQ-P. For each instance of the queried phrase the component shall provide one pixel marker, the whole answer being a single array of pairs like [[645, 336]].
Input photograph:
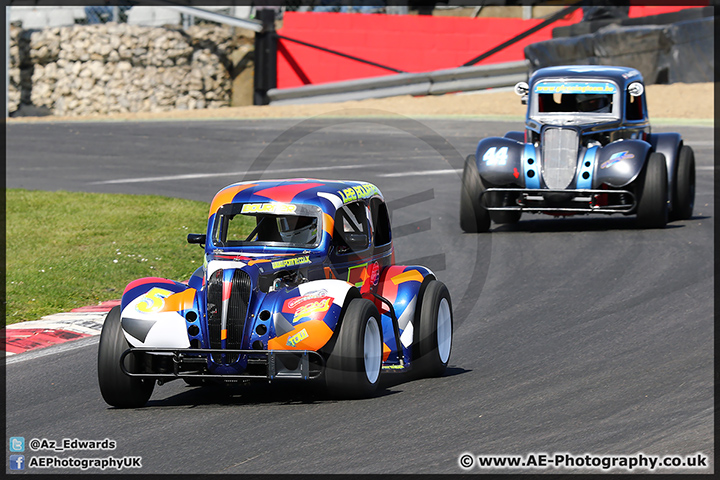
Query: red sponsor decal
[[294, 304], [311, 307], [516, 174], [374, 273]]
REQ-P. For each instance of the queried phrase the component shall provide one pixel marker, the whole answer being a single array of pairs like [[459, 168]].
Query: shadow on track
[[574, 224], [279, 393]]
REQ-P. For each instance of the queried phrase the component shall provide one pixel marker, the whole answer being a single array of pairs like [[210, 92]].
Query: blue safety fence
[[106, 13]]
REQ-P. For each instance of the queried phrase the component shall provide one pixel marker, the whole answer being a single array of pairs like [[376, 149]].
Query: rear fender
[[156, 312], [303, 318], [402, 286], [669, 145], [619, 163], [500, 161]]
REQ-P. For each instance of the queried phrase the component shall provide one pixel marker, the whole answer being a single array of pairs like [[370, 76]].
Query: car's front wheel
[[353, 367], [652, 192], [433, 331], [118, 389], [474, 217]]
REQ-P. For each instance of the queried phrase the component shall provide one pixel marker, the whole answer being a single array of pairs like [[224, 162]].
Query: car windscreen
[[582, 100], [268, 224]]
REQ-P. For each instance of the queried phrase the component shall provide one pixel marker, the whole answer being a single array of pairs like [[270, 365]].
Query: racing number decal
[[496, 156], [153, 300]]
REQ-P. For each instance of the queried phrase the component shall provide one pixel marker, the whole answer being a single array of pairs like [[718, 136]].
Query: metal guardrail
[[253, 25], [429, 83]]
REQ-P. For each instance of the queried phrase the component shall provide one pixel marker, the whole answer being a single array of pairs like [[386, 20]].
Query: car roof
[[329, 195], [621, 75]]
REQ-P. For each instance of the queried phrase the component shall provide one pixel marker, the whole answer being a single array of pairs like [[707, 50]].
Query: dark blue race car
[[587, 148]]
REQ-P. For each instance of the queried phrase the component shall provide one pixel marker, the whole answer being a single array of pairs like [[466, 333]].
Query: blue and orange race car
[[298, 282]]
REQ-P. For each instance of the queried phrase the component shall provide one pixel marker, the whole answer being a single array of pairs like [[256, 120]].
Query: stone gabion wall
[[117, 68]]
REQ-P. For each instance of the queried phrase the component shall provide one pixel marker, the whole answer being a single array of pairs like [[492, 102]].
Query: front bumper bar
[[576, 201], [198, 358]]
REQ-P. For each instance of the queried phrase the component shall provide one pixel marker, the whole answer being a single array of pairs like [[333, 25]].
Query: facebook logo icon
[[17, 462]]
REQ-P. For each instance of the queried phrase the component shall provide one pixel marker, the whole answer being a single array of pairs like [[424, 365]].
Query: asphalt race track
[[573, 335]]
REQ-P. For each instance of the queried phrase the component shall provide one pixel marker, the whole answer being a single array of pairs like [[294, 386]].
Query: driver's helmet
[[593, 103], [298, 230]]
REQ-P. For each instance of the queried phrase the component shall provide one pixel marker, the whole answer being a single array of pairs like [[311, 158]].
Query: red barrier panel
[[411, 43], [640, 10]]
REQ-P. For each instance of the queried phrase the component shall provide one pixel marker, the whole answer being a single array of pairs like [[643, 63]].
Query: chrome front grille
[[236, 314], [237, 311], [559, 156]]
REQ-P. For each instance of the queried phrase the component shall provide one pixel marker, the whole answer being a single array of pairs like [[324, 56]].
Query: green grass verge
[[67, 250]]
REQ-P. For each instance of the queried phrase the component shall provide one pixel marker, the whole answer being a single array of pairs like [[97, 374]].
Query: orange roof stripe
[[226, 196], [328, 224]]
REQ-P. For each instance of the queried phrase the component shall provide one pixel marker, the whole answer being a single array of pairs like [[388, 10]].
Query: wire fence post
[[7, 59], [265, 56]]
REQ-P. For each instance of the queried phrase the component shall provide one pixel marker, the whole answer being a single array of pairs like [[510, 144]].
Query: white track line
[[192, 176], [420, 172]]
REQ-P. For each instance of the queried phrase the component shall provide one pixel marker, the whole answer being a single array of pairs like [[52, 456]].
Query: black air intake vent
[[214, 308], [237, 313]]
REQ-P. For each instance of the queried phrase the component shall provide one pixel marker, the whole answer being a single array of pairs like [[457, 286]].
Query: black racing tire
[[474, 218], [652, 192], [118, 389], [433, 331], [684, 199], [354, 364]]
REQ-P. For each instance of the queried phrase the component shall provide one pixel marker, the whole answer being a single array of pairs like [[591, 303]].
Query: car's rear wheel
[[652, 190], [433, 331], [353, 366], [474, 217], [684, 200], [118, 389]]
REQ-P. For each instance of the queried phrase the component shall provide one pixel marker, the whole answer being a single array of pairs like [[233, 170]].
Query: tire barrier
[[679, 52]]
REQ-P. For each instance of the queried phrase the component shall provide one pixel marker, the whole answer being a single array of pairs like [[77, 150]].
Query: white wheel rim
[[372, 354], [444, 330]]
